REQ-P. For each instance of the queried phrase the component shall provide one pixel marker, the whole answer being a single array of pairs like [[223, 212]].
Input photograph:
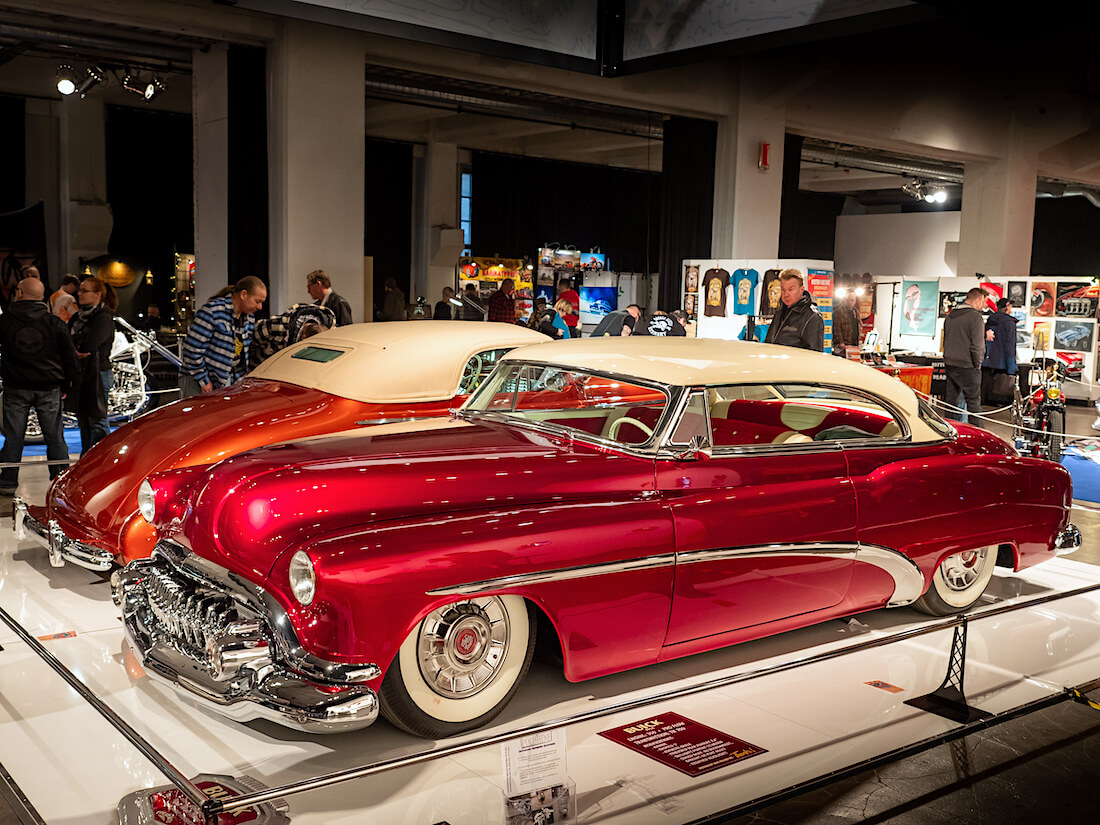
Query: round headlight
[[147, 501], [303, 581]]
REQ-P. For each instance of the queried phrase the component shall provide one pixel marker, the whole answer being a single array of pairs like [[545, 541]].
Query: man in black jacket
[[38, 366], [320, 290], [796, 322], [963, 352]]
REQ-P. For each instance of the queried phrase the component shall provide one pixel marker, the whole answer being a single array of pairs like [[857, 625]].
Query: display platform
[[801, 723]]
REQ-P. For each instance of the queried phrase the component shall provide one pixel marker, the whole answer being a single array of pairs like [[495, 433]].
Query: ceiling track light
[[93, 78], [154, 87], [144, 89], [66, 79]]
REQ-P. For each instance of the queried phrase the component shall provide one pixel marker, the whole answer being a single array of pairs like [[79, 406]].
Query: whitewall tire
[[459, 667], [958, 582]]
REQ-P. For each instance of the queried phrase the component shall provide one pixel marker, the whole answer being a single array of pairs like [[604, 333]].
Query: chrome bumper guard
[[1068, 541], [60, 547], [209, 646]]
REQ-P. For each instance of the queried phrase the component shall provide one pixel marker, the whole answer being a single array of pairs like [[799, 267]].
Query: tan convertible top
[[392, 362], [704, 361]]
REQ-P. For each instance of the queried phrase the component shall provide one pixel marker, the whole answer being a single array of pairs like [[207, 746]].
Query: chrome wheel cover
[[961, 570], [462, 646]]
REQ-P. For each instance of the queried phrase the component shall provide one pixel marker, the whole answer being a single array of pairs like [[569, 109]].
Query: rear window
[[319, 354]]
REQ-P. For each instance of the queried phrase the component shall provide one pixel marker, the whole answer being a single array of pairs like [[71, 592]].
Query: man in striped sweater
[[215, 351]]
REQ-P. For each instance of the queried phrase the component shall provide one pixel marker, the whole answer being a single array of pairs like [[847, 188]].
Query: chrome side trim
[[829, 551], [907, 576], [560, 575]]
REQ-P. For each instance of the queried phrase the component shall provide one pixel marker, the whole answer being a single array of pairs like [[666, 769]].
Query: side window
[[796, 414], [477, 368], [693, 422]]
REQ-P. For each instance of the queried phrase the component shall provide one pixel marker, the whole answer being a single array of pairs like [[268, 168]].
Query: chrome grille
[[203, 624]]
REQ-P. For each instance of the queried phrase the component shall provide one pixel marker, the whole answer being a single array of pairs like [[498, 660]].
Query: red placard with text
[[680, 743]]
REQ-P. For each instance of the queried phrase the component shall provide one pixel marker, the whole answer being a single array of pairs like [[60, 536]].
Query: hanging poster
[[1073, 336], [993, 293], [1076, 299], [918, 307], [1042, 299], [1040, 336], [950, 300], [1017, 293]]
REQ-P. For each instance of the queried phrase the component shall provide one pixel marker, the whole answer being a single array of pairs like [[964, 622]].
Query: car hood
[[99, 492], [246, 511]]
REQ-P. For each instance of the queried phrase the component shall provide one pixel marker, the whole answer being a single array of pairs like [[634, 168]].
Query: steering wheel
[[471, 375], [613, 430]]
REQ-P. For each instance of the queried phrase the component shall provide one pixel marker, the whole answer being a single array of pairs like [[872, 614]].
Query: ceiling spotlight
[[914, 189], [840, 292], [66, 79], [94, 77], [153, 88], [935, 194]]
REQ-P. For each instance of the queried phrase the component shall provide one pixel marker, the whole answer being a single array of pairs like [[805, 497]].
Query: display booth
[[724, 296], [1055, 317]]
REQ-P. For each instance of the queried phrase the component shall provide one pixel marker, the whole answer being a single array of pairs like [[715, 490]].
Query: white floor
[[74, 767]]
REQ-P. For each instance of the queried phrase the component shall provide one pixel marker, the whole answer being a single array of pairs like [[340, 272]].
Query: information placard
[[683, 744]]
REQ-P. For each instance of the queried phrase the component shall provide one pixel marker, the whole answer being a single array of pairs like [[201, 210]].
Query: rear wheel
[[958, 582], [459, 667]]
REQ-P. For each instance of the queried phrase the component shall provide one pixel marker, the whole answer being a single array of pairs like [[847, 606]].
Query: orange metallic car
[[348, 377]]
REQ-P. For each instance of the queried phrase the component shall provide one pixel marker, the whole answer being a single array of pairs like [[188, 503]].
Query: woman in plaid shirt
[[215, 352]]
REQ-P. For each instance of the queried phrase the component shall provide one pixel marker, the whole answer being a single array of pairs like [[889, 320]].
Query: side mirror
[[698, 449]]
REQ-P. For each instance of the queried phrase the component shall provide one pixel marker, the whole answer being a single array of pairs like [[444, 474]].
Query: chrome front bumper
[[60, 547], [1068, 541], [211, 647]]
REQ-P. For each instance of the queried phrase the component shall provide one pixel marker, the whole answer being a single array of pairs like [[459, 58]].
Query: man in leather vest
[[796, 322]]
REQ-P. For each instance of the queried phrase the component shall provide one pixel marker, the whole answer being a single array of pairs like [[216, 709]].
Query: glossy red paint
[[95, 501]]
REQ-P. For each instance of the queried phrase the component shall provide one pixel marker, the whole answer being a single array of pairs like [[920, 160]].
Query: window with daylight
[[465, 197]]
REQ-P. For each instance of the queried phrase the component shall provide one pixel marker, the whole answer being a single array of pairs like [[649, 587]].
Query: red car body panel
[[389, 518], [249, 414]]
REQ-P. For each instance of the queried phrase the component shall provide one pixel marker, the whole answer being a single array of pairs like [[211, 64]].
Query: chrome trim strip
[[907, 576], [559, 575], [829, 551]]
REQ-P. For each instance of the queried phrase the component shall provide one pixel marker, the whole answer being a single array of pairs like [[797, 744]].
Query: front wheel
[[958, 582], [459, 667]]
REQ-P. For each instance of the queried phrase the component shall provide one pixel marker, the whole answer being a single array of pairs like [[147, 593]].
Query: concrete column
[[316, 122], [998, 215], [210, 103], [441, 232], [746, 197]]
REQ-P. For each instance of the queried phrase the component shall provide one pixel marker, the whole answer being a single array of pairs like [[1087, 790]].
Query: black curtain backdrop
[[1065, 237], [687, 200], [247, 197], [520, 204], [13, 149], [387, 233], [807, 220], [22, 243], [150, 186]]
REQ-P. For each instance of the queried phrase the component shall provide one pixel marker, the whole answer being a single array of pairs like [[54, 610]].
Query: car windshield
[[612, 409]]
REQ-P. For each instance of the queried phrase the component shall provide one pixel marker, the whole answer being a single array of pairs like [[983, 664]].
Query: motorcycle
[[130, 396], [1039, 418]]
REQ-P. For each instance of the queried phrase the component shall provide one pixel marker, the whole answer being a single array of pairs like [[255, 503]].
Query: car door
[[766, 525]]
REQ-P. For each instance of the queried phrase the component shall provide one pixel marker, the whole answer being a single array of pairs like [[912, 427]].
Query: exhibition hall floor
[[798, 725]]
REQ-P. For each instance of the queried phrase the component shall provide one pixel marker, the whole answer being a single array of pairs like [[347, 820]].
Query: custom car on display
[[352, 376], [636, 499]]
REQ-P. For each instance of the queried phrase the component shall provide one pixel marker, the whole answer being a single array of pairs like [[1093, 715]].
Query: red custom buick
[[642, 499], [351, 376]]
